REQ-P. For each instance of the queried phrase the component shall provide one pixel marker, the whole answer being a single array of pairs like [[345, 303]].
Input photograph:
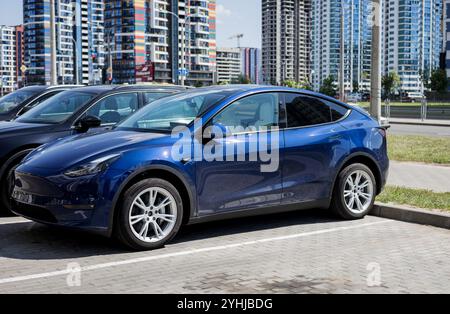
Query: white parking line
[[9, 221], [184, 253]]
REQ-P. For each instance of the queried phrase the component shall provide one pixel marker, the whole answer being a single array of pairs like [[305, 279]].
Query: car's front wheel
[[150, 216], [7, 182], [354, 193]]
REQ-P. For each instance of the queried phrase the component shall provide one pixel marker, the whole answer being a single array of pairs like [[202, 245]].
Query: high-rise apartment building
[[137, 34], [7, 59], [144, 40], [412, 41], [326, 42], [446, 37], [251, 64], [228, 65], [198, 20], [286, 40], [79, 41]]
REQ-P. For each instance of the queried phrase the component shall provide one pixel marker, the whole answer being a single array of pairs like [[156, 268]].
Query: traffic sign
[[183, 72], [23, 68]]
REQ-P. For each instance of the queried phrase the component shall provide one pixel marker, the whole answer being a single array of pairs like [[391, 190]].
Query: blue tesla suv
[[207, 154], [88, 109]]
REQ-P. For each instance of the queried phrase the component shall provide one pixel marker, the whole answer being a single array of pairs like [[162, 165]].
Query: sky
[[233, 17]]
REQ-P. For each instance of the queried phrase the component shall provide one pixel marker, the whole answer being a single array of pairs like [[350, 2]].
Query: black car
[[80, 110], [22, 100]]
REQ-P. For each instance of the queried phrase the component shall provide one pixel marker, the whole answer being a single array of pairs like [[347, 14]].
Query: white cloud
[[223, 11]]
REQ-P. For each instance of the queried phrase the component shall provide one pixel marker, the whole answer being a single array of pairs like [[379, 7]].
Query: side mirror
[[88, 122], [216, 131]]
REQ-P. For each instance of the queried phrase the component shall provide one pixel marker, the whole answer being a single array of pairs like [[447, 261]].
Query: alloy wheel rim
[[358, 191], [153, 215]]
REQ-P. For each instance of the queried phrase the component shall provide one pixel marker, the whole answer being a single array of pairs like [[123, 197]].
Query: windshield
[[57, 109], [11, 101], [167, 113]]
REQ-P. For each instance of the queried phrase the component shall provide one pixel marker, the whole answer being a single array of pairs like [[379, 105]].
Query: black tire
[[122, 228], [7, 182], [338, 205]]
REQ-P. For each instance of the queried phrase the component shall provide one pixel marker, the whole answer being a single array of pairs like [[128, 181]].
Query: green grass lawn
[[416, 198], [419, 148], [367, 104]]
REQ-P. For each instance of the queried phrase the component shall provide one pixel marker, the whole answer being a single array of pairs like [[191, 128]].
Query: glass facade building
[[413, 41], [326, 42]]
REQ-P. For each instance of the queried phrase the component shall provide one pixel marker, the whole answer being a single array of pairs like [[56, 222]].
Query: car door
[[234, 175], [313, 144], [113, 109]]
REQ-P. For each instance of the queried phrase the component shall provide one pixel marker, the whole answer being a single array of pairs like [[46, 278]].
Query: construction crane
[[238, 37]]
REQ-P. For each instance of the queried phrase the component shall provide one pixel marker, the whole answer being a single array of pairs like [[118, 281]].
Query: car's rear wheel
[[354, 193], [151, 215], [7, 182]]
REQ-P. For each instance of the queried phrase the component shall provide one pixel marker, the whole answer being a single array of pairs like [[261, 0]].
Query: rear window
[[305, 110]]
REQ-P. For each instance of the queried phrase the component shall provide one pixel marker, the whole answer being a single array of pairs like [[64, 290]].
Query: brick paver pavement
[[302, 252]]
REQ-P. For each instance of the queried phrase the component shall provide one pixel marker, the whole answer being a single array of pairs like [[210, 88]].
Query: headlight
[[92, 167]]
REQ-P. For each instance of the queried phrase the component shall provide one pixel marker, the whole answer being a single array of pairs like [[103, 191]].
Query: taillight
[[383, 132]]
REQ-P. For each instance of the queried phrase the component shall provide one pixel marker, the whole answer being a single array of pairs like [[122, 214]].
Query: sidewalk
[[419, 176], [429, 122]]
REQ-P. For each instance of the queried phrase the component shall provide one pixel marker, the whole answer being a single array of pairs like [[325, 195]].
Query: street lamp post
[[183, 61], [375, 89], [54, 77], [75, 62], [342, 56], [110, 55]]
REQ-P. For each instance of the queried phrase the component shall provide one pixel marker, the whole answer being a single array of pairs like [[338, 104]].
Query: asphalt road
[[300, 252], [406, 129]]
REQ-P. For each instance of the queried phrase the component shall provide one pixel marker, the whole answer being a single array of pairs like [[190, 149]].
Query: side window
[[307, 111], [337, 111], [43, 98], [255, 111], [115, 108]]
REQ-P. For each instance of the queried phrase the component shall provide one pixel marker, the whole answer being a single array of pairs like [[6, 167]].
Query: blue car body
[[310, 161]]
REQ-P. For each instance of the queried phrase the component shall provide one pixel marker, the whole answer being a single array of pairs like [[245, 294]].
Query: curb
[[412, 215], [420, 123]]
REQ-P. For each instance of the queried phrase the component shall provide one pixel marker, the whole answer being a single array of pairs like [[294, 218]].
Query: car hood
[[12, 126], [72, 150]]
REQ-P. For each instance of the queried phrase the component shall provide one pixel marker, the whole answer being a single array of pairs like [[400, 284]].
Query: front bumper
[[81, 203]]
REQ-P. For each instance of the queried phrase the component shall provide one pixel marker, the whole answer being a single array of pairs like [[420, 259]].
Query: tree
[[241, 79], [390, 83], [291, 84], [198, 84], [328, 86], [438, 81]]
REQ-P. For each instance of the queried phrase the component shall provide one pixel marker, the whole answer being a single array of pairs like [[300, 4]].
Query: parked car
[[413, 97], [354, 97], [22, 100], [71, 112], [129, 184]]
